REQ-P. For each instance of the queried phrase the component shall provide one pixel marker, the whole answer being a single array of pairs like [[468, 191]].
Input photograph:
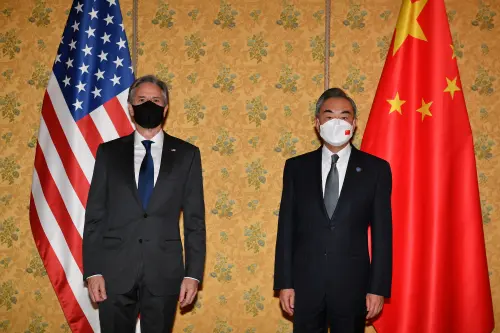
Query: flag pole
[[327, 44], [135, 39]]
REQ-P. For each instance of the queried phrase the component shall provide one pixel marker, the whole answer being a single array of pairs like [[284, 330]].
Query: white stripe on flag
[[61, 249], [56, 168], [104, 124], [75, 138], [122, 98]]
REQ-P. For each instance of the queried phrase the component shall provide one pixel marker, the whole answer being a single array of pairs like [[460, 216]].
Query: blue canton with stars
[[93, 61]]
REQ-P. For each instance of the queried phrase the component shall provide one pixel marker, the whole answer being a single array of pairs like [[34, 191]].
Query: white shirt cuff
[[187, 277]]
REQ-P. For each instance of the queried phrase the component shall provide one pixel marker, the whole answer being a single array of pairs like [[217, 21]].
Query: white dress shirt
[[326, 164], [140, 152]]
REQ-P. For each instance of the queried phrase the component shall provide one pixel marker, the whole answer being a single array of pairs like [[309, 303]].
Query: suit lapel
[[349, 182], [128, 166], [318, 161], [167, 162], [347, 187]]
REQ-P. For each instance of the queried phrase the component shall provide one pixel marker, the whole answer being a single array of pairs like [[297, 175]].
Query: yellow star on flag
[[452, 86], [407, 23], [396, 104], [425, 109]]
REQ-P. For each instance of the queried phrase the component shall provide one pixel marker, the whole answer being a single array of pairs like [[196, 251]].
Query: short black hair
[[334, 93]]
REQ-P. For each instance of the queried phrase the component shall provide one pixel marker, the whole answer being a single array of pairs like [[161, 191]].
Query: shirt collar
[[344, 154], [157, 139]]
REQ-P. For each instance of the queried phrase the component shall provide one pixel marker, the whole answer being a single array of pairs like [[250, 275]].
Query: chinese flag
[[419, 124]]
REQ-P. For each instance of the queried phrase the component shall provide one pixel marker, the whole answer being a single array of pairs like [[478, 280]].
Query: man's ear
[[165, 111], [130, 109], [316, 124]]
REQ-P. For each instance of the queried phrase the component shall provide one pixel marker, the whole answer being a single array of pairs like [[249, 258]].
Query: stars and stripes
[[93, 37], [85, 104]]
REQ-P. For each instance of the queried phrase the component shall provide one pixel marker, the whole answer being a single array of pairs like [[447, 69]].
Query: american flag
[[84, 105]]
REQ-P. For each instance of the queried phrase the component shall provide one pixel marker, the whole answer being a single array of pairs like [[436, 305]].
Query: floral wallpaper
[[244, 77]]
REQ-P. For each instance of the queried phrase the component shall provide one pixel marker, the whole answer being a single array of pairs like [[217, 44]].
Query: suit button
[[140, 240], [325, 253], [145, 216], [332, 227]]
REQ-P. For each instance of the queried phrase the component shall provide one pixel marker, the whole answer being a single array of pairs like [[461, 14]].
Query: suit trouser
[[118, 313], [314, 314]]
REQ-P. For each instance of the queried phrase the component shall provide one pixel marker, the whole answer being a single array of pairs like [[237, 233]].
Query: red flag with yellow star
[[419, 123]]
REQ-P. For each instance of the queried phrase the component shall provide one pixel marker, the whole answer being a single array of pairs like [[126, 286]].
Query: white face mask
[[336, 132]]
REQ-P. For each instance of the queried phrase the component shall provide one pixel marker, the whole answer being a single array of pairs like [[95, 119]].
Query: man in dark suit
[[132, 250], [330, 198]]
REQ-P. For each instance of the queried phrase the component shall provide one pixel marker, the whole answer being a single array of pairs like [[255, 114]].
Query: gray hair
[[148, 79], [334, 93]]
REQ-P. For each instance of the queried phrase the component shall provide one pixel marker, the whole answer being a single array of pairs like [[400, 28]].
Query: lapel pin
[[358, 169], [173, 149]]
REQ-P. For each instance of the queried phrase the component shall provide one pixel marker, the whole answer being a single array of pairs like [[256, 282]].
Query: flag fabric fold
[[85, 104], [419, 123]]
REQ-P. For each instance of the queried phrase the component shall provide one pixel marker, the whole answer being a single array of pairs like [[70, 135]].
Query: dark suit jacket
[[319, 256], [119, 234]]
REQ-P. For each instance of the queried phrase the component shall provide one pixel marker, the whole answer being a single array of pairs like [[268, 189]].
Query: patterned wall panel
[[243, 76]]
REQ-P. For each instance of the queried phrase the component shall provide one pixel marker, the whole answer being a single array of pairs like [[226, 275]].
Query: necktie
[[332, 187], [146, 175]]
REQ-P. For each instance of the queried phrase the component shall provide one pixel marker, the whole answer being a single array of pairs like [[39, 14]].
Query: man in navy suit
[[132, 252]]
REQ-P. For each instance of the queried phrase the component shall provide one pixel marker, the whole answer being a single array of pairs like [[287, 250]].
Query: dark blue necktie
[[146, 175]]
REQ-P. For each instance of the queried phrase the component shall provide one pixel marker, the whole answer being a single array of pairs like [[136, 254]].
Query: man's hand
[[189, 288], [374, 304], [97, 289], [287, 300]]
